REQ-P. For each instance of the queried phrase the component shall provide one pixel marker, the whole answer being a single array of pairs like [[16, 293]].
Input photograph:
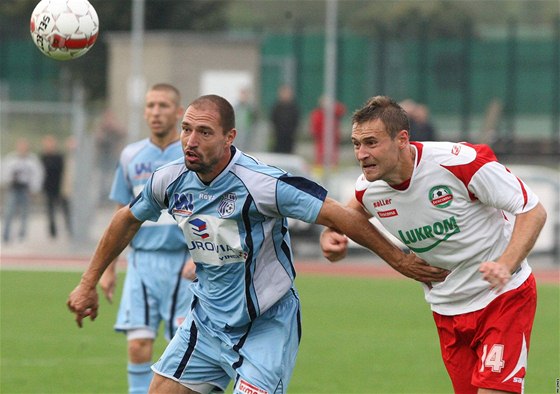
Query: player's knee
[[140, 350]]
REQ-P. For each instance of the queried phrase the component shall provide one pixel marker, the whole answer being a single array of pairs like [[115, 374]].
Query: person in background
[[285, 117], [109, 138], [246, 117], [446, 201], [244, 323], [156, 286], [421, 127], [67, 187], [54, 166], [22, 175], [317, 127]]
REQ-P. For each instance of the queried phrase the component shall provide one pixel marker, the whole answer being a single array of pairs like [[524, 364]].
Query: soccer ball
[[64, 29]]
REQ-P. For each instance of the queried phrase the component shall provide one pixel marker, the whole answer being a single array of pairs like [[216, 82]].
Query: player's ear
[[230, 136], [403, 138]]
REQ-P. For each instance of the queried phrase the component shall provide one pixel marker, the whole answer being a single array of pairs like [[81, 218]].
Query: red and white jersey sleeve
[[451, 214]]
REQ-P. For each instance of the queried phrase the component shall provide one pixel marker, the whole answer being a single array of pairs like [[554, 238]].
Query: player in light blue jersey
[[154, 289], [232, 209]]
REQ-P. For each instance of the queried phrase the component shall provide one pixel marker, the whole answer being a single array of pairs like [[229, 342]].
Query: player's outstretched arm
[[83, 300], [353, 222], [108, 281], [526, 230]]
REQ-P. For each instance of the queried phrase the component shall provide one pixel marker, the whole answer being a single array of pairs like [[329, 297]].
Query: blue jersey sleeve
[[299, 198], [121, 191], [146, 206]]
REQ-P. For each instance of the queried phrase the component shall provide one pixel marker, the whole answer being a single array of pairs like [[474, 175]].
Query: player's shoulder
[[174, 166], [132, 149], [168, 173], [362, 183], [258, 165], [454, 153]]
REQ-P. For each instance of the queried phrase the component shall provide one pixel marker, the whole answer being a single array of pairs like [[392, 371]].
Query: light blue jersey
[[236, 231], [154, 290], [137, 163]]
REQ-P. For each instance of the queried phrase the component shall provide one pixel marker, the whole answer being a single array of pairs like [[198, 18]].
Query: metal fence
[[506, 84]]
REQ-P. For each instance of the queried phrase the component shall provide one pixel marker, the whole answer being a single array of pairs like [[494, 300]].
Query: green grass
[[359, 336]]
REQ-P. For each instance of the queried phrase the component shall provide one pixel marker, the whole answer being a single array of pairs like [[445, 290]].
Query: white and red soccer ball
[[64, 29]]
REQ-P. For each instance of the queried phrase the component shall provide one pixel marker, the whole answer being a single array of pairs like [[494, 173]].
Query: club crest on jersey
[[183, 204], [227, 205], [440, 196]]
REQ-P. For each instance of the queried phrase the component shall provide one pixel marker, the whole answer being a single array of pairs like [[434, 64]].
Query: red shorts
[[488, 348]]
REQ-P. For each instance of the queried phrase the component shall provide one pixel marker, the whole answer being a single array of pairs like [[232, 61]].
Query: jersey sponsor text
[[446, 227], [248, 388]]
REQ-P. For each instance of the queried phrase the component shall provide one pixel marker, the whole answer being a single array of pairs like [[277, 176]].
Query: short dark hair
[[225, 109], [385, 109], [170, 88]]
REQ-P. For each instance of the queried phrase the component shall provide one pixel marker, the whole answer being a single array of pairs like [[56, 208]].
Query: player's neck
[[404, 169], [207, 178], [163, 141]]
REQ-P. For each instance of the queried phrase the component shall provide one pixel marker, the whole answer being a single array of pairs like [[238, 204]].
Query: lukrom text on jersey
[[446, 227]]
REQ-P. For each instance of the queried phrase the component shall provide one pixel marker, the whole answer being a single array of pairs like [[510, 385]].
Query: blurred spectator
[[53, 165], [409, 107], [245, 118], [317, 126], [421, 128], [285, 118], [22, 173], [109, 141], [67, 188]]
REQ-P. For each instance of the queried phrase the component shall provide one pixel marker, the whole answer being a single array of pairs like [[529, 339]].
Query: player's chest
[[143, 165], [427, 201], [192, 199]]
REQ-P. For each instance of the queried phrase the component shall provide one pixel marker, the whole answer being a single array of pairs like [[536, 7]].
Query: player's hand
[[189, 270], [333, 244], [414, 267], [108, 283], [83, 302], [496, 274]]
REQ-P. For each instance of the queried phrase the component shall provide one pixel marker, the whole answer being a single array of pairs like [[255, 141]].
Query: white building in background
[[210, 63]]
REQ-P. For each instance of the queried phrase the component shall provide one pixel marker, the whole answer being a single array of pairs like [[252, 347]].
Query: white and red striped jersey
[[451, 213]]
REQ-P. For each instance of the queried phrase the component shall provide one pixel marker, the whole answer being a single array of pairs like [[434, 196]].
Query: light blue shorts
[[154, 291], [260, 357]]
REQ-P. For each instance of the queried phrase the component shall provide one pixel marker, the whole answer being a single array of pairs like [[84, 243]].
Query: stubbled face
[[378, 154], [205, 144], [162, 113]]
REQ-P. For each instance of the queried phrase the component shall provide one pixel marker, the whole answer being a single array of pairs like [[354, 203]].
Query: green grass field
[[360, 336]]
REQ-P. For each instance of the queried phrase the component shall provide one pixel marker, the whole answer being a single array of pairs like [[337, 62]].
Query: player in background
[[245, 318], [156, 287], [446, 202]]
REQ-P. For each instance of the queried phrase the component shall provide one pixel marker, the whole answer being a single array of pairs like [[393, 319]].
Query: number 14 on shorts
[[493, 359]]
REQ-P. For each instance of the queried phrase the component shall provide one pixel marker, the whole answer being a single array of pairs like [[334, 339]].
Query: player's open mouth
[[191, 156]]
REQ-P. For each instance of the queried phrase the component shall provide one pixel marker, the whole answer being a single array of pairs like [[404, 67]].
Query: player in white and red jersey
[[446, 202]]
